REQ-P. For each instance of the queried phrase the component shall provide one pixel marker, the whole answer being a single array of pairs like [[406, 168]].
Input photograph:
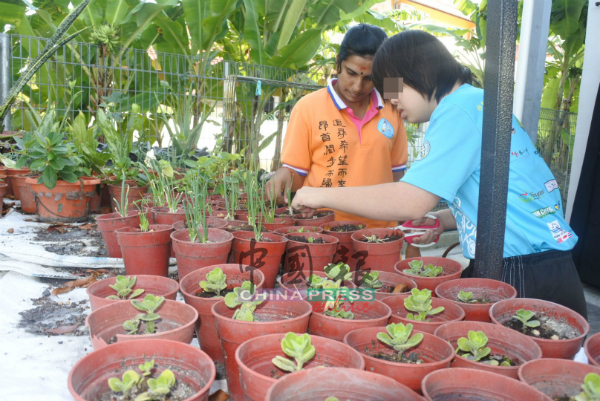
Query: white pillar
[[590, 80], [535, 26]]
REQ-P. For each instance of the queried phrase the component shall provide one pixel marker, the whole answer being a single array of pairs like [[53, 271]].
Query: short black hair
[[361, 40], [422, 61]]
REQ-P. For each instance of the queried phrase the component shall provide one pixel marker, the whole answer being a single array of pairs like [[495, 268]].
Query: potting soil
[[387, 238], [391, 355], [548, 328], [305, 239], [343, 228]]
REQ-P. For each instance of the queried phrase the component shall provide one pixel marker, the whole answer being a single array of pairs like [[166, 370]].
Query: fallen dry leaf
[[57, 228], [79, 283], [88, 226], [10, 230], [400, 288], [219, 395], [106, 210], [63, 329]]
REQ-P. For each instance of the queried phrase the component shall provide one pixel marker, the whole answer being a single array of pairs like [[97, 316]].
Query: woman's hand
[[430, 235], [307, 201]]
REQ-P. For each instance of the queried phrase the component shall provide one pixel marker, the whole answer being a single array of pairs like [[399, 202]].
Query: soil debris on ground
[[65, 239], [49, 317]]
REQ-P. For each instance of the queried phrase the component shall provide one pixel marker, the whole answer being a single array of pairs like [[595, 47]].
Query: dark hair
[[422, 61], [361, 40]]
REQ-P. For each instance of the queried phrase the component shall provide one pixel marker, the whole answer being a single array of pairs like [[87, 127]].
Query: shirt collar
[[339, 103]]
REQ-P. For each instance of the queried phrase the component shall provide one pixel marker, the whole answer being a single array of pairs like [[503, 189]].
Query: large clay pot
[[451, 312], [22, 190], [309, 257], [264, 255], [146, 252], [108, 223], [11, 172], [378, 256], [66, 202], [452, 270], [345, 249], [196, 255]]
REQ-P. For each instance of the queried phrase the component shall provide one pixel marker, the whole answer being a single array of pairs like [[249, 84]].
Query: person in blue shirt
[[436, 89]]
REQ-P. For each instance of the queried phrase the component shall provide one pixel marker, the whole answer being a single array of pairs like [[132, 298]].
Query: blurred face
[[354, 83], [414, 107]]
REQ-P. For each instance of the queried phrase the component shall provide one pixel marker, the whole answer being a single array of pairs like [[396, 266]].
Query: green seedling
[[146, 368], [288, 197], [474, 348], [124, 287], [591, 388], [315, 281], [158, 388], [298, 347], [525, 316], [144, 223], [466, 297], [420, 302], [334, 308], [374, 239], [338, 271], [311, 240], [236, 298], [216, 281], [332, 399], [399, 337], [123, 206], [148, 305], [129, 379], [371, 280], [417, 268]]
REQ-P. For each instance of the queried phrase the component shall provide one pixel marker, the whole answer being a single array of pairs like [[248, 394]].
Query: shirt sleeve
[[399, 154], [296, 152], [450, 154]]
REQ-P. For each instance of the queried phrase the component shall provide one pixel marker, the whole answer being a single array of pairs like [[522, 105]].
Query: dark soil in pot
[[391, 355], [549, 328], [387, 238], [305, 240], [315, 216], [206, 294], [244, 227], [344, 228]]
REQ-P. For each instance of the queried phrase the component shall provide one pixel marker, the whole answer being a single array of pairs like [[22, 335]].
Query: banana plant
[[298, 347]]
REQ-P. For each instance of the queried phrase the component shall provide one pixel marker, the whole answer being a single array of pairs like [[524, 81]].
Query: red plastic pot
[[3, 188], [342, 383], [155, 285], [501, 340], [503, 311], [274, 317], [211, 222], [264, 255], [315, 221], [278, 222], [307, 257], [378, 256], [146, 252], [452, 270], [162, 215], [88, 378], [22, 191], [297, 281], [178, 321], [493, 289], [366, 314], [206, 329], [389, 280], [108, 223], [556, 378], [592, 349], [436, 354], [66, 202], [254, 360], [345, 250], [289, 229], [471, 384], [195, 255], [135, 195], [451, 313], [10, 173]]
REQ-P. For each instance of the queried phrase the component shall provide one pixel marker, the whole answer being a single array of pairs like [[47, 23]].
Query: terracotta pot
[[17, 182], [345, 249], [195, 255], [278, 223], [557, 378], [135, 194], [382, 256], [206, 329], [211, 222], [314, 221], [307, 257], [108, 223], [592, 349], [345, 384], [178, 321], [11, 172], [366, 314], [88, 378], [452, 270], [161, 215], [155, 285], [96, 200], [503, 311], [146, 252], [471, 384], [435, 353], [233, 223], [501, 340], [494, 290], [297, 281], [66, 202], [451, 313], [254, 359], [264, 255], [294, 229], [3, 188], [276, 316], [390, 280]]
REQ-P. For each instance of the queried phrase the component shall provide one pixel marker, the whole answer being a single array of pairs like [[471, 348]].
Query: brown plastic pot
[[276, 316], [592, 349], [206, 329], [314, 221], [307, 257], [503, 311], [493, 289], [66, 202], [146, 252], [211, 222], [557, 378], [345, 250], [196, 255], [155, 285], [178, 321], [451, 313], [135, 194], [254, 359], [108, 223], [389, 280], [263, 255], [382, 256], [88, 378], [11, 172], [3, 188], [293, 281], [366, 314], [471, 384], [452, 270], [435, 352], [343, 383], [289, 229], [501, 340]]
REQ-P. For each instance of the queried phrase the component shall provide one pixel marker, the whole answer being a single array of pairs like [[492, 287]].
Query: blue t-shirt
[[449, 166]]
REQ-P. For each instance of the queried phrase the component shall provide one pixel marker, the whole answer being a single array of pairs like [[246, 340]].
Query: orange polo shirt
[[331, 147]]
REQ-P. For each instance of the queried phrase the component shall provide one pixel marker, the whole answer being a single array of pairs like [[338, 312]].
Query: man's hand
[[278, 183], [307, 201], [430, 235]]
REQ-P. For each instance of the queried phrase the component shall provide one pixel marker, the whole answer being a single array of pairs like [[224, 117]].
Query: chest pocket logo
[[386, 128]]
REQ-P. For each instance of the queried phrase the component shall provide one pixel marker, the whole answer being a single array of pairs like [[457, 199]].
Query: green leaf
[[299, 51], [57, 163], [69, 176], [49, 177], [284, 364], [291, 20], [252, 32]]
